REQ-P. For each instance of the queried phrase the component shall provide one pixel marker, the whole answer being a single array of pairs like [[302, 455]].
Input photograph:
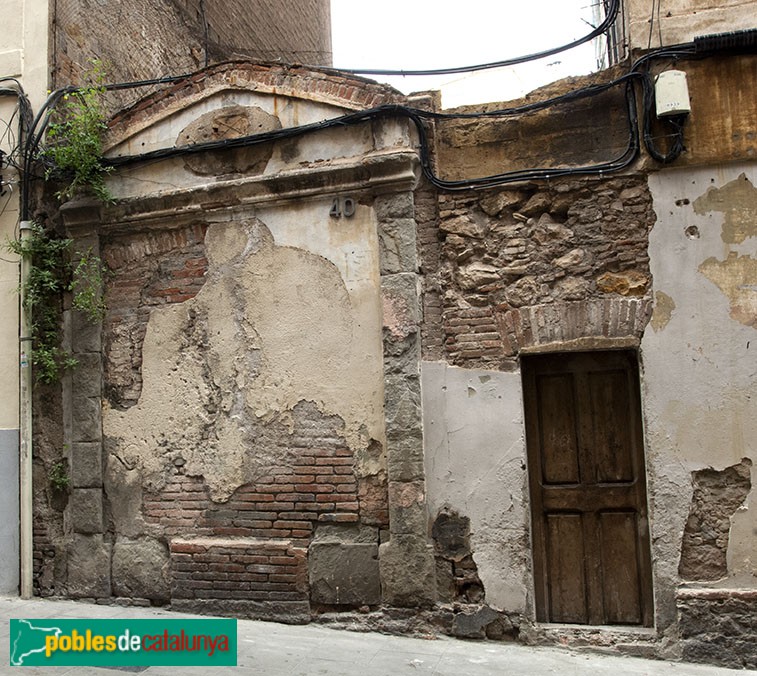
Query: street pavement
[[270, 649]]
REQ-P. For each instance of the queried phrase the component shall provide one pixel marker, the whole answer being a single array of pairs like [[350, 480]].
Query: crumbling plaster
[[205, 402], [475, 459], [699, 368]]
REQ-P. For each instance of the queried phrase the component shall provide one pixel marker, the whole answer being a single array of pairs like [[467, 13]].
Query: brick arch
[[600, 321], [318, 85]]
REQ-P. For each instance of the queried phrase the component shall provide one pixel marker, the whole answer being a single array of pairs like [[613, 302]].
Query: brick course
[[245, 569]]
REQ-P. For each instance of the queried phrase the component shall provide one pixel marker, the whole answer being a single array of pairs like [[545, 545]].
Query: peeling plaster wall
[[241, 375], [203, 401], [475, 456], [699, 357]]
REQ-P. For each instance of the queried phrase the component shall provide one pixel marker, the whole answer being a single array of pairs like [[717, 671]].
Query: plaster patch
[[737, 200], [663, 310], [271, 327], [474, 454], [736, 277]]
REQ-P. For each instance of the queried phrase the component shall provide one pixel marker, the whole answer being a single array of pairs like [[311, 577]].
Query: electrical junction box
[[671, 94]]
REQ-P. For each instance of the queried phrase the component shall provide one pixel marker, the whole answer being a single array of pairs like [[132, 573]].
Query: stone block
[[405, 448], [403, 402], [400, 297], [141, 569], [391, 206], [86, 465], [286, 612], [86, 510], [86, 336], [397, 246], [473, 625], [86, 414], [408, 571], [88, 567], [345, 533], [494, 203], [344, 573], [86, 377], [717, 626], [407, 508]]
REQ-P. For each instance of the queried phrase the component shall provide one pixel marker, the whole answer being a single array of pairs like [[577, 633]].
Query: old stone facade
[[316, 391]]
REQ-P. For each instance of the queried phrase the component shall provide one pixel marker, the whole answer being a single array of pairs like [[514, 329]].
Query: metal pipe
[[26, 505]]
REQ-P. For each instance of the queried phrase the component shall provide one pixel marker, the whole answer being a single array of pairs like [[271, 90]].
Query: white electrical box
[[671, 93]]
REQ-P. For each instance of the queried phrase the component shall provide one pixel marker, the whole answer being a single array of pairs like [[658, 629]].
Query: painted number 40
[[342, 206]]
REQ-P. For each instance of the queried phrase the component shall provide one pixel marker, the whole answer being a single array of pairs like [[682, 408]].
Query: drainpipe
[[25, 426]]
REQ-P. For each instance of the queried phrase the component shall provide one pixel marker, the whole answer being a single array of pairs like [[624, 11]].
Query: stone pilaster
[[82, 392], [406, 561]]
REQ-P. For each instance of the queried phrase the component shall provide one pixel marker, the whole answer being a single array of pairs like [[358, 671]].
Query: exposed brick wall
[[527, 266], [319, 487], [147, 270], [429, 239], [255, 570], [315, 483]]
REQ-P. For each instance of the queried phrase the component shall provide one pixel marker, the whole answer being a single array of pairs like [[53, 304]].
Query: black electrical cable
[[675, 123], [639, 70], [418, 118], [609, 20]]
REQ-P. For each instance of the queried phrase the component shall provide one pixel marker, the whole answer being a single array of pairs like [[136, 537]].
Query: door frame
[[539, 571]]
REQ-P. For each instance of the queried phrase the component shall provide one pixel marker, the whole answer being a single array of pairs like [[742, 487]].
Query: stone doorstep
[[613, 639]]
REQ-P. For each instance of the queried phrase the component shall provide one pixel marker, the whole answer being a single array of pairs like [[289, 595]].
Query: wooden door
[[588, 490]]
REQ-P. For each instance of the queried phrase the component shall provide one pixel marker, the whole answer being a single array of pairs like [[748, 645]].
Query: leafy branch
[[52, 273], [74, 137]]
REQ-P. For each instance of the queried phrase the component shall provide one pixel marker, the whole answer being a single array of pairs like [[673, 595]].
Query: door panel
[[559, 446], [565, 557], [619, 553], [587, 484], [610, 434]]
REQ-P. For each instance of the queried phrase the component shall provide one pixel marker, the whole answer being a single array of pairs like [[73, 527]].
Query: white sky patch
[[432, 34]]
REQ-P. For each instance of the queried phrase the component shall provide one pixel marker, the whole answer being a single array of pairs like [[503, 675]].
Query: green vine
[[58, 476], [87, 281], [74, 138], [52, 273]]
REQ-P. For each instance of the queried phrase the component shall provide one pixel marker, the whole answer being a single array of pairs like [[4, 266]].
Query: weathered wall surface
[[234, 417], [558, 266], [580, 132], [163, 38], [536, 265], [662, 261], [246, 439], [679, 21], [475, 459], [699, 376]]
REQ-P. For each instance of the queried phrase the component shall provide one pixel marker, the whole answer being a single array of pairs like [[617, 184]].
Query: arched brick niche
[[601, 323]]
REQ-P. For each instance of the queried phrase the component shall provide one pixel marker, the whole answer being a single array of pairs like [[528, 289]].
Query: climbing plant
[[52, 273], [74, 139]]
